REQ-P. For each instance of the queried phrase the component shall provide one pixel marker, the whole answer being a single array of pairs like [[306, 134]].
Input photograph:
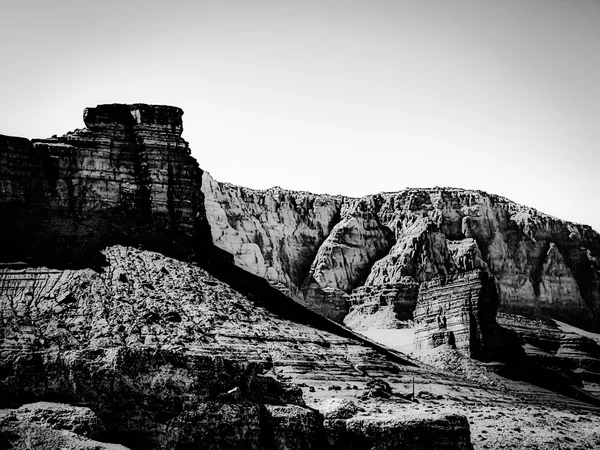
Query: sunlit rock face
[[127, 176], [274, 233], [542, 266], [345, 258]]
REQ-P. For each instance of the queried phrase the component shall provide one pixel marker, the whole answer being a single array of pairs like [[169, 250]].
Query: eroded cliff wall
[[543, 266], [162, 351], [459, 311], [274, 234], [127, 177]]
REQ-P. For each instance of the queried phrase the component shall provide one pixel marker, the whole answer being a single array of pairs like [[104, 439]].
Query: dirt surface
[[502, 413]]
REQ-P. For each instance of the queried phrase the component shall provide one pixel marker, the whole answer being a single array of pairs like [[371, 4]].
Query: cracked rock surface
[[543, 266], [162, 352]]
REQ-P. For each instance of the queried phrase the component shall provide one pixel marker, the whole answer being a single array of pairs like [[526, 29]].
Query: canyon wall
[[160, 350], [127, 177], [274, 234], [542, 266]]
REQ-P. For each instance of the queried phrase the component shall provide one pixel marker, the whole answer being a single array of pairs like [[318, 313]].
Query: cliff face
[[127, 177], [274, 234], [542, 266], [459, 311]]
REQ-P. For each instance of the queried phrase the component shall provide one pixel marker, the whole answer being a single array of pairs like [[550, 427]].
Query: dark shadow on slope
[[517, 366], [530, 372], [219, 263]]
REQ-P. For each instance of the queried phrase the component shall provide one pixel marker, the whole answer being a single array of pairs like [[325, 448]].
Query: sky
[[341, 97]]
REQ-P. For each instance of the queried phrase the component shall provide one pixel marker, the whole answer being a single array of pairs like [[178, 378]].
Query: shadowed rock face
[[126, 178], [158, 118]]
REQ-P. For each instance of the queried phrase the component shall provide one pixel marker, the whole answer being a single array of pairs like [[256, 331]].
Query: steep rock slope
[[543, 266], [167, 357], [164, 355], [274, 234]]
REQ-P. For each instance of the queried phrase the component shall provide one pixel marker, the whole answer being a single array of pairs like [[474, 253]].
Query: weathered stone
[[52, 425], [337, 408], [128, 178], [293, 427], [226, 366], [163, 352], [387, 433], [543, 266], [389, 305], [460, 311], [274, 233]]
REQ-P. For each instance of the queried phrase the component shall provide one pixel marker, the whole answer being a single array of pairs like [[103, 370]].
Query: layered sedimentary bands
[[167, 356], [144, 304], [459, 311], [543, 266], [384, 251], [127, 177]]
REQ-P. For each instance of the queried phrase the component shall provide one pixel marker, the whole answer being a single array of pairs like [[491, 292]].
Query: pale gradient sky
[[348, 97]]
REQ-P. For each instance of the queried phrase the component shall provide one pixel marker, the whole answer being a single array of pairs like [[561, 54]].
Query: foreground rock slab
[[166, 355]]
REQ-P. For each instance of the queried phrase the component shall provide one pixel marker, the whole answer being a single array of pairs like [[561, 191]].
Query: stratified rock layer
[[167, 356], [127, 178], [543, 266], [383, 306], [460, 311]]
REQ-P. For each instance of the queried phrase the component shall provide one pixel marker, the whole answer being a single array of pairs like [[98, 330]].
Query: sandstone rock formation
[[543, 266], [52, 425], [388, 305], [166, 356], [568, 352], [126, 178], [460, 311], [274, 234]]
